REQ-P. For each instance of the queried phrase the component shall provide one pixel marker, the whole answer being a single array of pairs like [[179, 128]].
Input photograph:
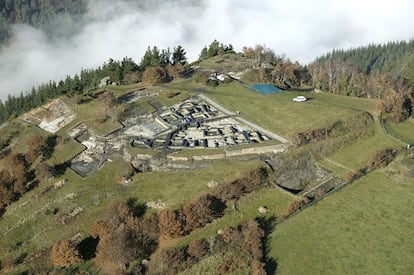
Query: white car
[[300, 99]]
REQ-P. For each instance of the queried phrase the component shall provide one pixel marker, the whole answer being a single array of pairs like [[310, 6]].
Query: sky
[[299, 29]]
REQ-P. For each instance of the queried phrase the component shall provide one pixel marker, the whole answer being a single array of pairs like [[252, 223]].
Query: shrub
[[228, 265], [7, 262], [245, 239], [123, 240], [155, 75], [200, 78], [233, 264], [252, 238], [357, 123], [258, 268], [213, 82], [249, 181], [169, 261], [171, 94], [295, 205], [150, 225], [21, 258], [40, 263], [202, 211], [64, 254], [45, 172], [37, 146], [381, 158], [227, 234], [171, 223], [355, 174], [198, 248], [398, 105]]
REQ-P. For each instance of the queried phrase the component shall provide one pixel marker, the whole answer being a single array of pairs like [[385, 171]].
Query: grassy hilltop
[[363, 227]]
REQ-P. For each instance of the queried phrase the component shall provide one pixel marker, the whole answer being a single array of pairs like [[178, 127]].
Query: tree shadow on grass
[[61, 168], [87, 248], [268, 225], [137, 209], [51, 142]]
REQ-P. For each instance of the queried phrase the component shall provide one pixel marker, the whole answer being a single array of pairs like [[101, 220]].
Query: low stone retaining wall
[[280, 148], [210, 157]]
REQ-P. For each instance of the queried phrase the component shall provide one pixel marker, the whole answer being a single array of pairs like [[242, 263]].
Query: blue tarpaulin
[[266, 88]]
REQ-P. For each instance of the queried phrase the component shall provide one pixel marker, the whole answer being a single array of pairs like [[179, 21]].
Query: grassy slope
[[403, 130], [278, 112], [228, 63], [95, 192], [357, 154], [247, 208], [365, 228], [352, 206]]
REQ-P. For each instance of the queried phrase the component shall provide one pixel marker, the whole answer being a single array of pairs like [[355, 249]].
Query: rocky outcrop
[[294, 170]]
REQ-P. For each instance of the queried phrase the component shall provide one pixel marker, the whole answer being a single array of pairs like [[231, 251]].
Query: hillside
[[375, 58], [37, 13], [196, 175]]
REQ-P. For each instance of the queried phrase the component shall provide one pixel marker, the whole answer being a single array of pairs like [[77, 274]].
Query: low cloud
[[302, 30]]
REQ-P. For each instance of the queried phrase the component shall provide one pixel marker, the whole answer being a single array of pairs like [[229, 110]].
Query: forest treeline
[[37, 13], [47, 15], [370, 71], [374, 58], [156, 66], [377, 71], [381, 71]]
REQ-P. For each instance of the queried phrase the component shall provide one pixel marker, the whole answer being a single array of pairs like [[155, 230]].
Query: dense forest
[[383, 71], [365, 71], [38, 13], [53, 16], [374, 58]]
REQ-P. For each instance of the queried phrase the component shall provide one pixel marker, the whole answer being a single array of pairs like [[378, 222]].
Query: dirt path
[[337, 164]]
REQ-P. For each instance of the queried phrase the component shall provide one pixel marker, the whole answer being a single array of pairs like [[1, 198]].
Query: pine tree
[[213, 48], [179, 56], [128, 66], [204, 54], [165, 57], [410, 71], [146, 59], [3, 113], [155, 57]]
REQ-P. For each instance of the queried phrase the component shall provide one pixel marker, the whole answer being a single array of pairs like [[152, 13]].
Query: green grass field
[[403, 130], [65, 151], [366, 228], [356, 155]]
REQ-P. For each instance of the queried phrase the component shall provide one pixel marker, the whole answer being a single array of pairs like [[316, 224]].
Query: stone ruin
[[195, 122], [50, 117]]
